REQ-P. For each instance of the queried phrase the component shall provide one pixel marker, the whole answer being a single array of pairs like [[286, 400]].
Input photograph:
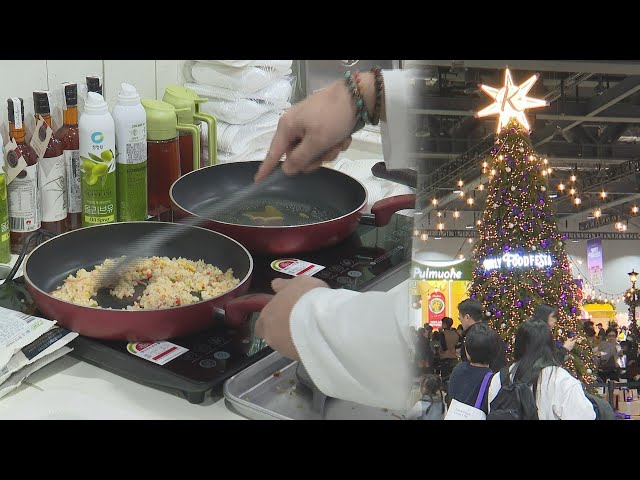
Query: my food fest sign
[[518, 260]]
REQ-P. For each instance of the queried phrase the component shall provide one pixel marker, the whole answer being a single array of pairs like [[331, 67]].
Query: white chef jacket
[[355, 346], [559, 395]]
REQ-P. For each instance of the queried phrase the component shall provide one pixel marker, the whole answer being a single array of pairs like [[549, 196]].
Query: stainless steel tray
[[269, 390]]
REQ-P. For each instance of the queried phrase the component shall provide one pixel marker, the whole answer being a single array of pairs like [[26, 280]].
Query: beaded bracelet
[[379, 85], [357, 95]]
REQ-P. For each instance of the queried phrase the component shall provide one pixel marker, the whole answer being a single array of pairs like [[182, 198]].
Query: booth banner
[[594, 261], [437, 309]]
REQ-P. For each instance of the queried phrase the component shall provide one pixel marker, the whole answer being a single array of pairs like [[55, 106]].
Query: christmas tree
[[520, 260]]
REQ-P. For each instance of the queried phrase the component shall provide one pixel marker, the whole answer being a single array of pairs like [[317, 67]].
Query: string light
[[597, 213], [572, 178], [440, 226], [577, 200], [634, 209], [561, 187], [460, 183], [434, 202], [481, 188], [456, 214], [603, 194], [439, 214], [470, 201], [572, 191]]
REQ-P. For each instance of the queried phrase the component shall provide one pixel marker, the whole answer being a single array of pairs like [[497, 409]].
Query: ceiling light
[[469, 227], [575, 241], [457, 191], [553, 195]]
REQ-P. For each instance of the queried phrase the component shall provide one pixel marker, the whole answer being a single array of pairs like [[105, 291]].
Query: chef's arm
[[355, 346]]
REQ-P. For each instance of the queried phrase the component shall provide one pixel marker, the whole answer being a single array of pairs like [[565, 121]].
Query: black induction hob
[[373, 258]]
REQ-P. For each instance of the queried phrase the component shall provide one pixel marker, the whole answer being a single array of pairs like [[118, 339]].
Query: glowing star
[[511, 101]]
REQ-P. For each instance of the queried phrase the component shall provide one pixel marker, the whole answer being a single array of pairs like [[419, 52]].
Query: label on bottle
[[132, 192], [72, 168], [24, 201], [132, 174], [53, 191], [98, 184], [5, 243], [14, 162], [41, 136], [17, 112]]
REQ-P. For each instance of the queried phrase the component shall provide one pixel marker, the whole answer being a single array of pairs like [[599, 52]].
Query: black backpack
[[514, 401]]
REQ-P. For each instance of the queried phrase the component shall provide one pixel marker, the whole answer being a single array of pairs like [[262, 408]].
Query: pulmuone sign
[[516, 260], [443, 270]]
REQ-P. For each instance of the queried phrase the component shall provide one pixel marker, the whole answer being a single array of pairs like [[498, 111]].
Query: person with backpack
[[536, 386], [432, 405], [470, 313], [467, 378]]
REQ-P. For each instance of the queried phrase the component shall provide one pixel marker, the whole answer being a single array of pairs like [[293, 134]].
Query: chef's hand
[[273, 323], [316, 129]]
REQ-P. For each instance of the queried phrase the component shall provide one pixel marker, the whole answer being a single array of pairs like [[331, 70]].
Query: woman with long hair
[[548, 314], [559, 396]]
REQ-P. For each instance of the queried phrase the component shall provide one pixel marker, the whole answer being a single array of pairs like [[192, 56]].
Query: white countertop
[[69, 388]]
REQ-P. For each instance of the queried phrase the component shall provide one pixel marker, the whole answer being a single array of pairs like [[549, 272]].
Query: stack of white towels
[[247, 97]]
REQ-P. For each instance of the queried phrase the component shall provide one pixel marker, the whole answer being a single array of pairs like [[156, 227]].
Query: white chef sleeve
[[355, 346], [398, 130]]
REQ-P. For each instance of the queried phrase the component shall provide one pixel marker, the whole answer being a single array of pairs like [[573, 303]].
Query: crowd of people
[[451, 363]]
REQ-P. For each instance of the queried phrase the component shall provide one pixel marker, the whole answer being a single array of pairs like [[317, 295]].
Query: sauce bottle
[[52, 180], [69, 136], [131, 155], [5, 236], [24, 201], [163, 154]]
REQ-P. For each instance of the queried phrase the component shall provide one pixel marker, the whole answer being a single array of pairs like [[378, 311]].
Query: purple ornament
[[519, 304], [473, 295], [498, 313], [527, 299], [573, 310], [541, 292], [507, 248]]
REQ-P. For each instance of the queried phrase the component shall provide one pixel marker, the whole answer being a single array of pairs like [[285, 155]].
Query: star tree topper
[[511, 101]]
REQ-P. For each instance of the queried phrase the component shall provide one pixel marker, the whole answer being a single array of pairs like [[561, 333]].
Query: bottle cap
[[162, 121], [41, 103], [70, 94], [12, 118], [128, 95], [185, 100], [93, 84], [95, 104]]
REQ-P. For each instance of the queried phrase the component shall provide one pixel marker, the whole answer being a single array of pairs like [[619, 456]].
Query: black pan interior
[[54, 260], [321, 195]]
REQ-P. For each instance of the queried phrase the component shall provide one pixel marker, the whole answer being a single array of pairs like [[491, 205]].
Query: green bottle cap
[[183, 98], [162, 120]]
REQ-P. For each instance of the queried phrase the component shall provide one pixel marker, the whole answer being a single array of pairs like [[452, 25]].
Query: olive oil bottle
[[98, 168]]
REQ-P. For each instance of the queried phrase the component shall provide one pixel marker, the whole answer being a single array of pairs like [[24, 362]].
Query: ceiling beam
[[608, 204], [605, 67]]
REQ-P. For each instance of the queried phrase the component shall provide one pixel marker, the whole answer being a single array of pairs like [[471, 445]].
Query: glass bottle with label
[[5, 241], [24, 201], [131, 155], [163, 153], [52, 175], [98, 170], [68, 134]]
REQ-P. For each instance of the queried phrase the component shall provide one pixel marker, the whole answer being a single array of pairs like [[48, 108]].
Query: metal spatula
[[148, 244]]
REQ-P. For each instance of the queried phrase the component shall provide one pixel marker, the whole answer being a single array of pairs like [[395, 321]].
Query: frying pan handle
[[238, 309], [406, 177], [382, 210]]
